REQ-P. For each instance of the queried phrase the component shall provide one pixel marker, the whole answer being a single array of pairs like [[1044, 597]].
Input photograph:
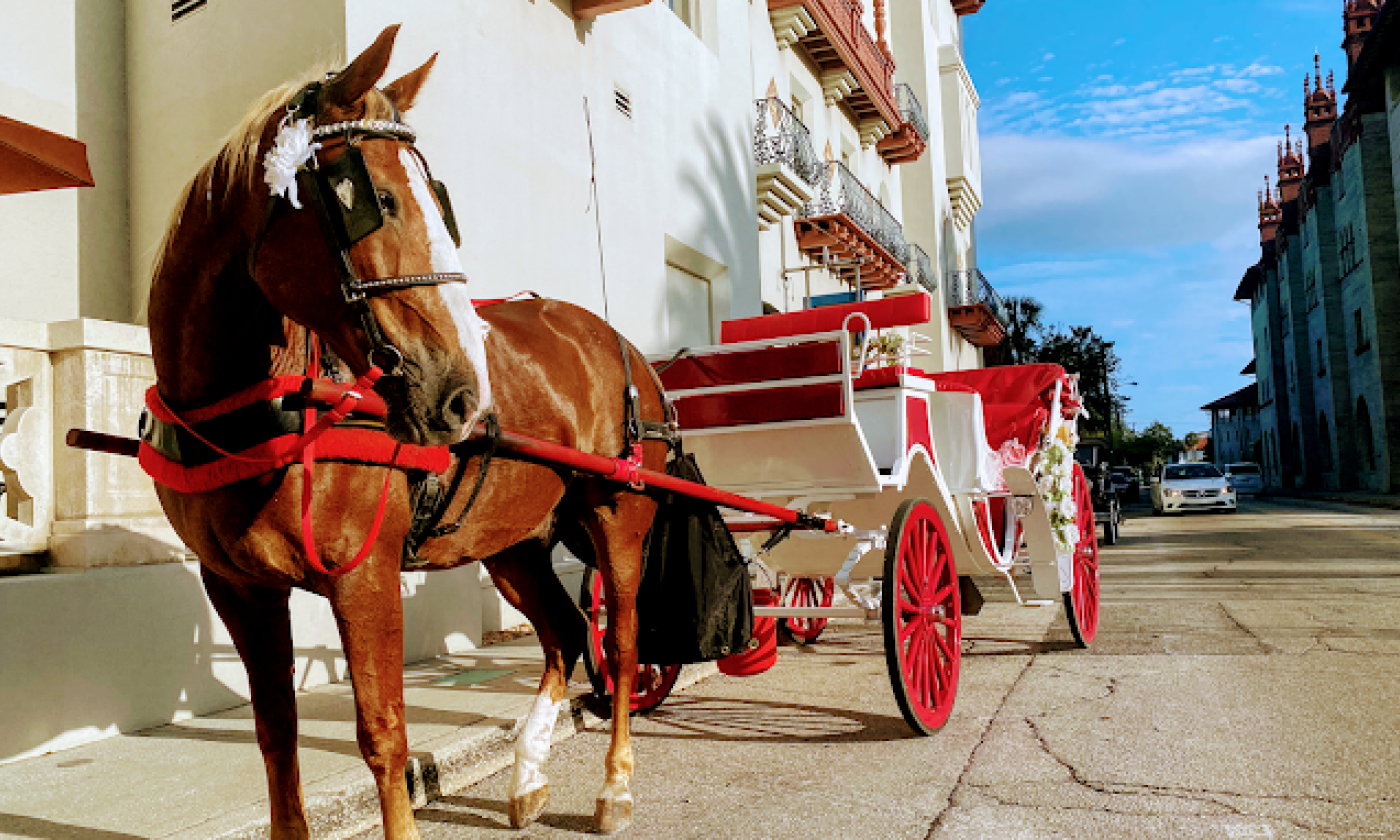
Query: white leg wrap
[[532, 746], [615, 792]]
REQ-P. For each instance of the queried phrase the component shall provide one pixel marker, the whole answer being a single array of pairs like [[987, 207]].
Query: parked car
[[1125, 481], [1246, 477], [1182, 487]]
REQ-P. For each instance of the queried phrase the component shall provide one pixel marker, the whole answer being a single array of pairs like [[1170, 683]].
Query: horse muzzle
[[430, 411]]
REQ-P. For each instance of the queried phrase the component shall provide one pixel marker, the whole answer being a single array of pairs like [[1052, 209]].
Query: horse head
[[359, 245]]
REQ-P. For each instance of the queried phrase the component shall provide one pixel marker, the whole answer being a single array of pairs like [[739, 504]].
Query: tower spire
[[1269, 214], [1319, 107]]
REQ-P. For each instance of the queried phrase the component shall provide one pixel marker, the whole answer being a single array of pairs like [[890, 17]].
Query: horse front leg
[[369, 612], [524, 575], [259, 620]]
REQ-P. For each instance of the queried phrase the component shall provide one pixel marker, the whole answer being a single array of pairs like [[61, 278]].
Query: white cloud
[[1181, 102], [1067, 195]]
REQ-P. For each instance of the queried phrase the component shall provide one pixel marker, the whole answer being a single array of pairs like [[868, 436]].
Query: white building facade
[[669, 164]]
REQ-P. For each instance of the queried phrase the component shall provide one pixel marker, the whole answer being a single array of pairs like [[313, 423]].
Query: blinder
[[347, 204]]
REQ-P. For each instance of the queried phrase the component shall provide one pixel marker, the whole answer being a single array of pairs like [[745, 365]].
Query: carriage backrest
[[900, 311]]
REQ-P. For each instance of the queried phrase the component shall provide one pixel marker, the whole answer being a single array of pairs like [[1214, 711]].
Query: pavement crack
[[972, 756], [1264, 646], [1204, 796]]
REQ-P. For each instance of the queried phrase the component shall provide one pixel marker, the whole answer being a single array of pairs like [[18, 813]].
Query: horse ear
[[404, 92], [352, 83]]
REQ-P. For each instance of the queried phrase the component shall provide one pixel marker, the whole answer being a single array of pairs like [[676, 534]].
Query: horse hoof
[[612, 815], [525, 809]]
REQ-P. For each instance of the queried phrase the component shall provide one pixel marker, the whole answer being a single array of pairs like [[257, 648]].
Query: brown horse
[[239, 285]]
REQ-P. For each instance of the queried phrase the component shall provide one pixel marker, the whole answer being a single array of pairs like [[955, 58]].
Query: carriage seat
[[1016, 399], [900, 311]]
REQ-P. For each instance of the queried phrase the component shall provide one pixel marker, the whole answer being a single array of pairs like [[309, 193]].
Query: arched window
[[1365, 441], [1325, 435]]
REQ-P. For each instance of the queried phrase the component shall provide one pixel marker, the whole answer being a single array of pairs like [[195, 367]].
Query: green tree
[[1148, 448], [1024, 328], [1081, 350]]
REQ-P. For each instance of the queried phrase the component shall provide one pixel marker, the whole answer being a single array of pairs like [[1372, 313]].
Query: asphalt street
[[1245, 683]]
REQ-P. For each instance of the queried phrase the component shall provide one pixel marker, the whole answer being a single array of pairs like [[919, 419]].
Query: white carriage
[[934, 477]]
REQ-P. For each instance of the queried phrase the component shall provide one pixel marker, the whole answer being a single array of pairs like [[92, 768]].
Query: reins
[[308, 469]]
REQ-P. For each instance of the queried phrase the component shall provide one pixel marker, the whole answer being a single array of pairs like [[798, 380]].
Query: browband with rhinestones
[[397, 129]]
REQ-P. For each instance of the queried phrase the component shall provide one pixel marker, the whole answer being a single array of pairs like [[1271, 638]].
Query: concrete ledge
[[347, 804]]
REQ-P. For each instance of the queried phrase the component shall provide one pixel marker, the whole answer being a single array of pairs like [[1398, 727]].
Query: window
[[687, 308], [1363, 342], [1348, 257], [1321, 360], [1310, 288]]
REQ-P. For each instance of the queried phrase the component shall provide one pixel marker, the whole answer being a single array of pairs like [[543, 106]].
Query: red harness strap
[[303, 449], [314, 429]]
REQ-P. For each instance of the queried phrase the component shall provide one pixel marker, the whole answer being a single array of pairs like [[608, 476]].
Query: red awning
[[34, 159]]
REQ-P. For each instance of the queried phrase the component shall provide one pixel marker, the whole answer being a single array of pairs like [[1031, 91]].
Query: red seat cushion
[[901, 311], [1024, 385], [1016, 399]]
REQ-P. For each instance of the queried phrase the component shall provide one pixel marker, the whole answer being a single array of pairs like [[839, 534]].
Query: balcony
[[851, 233], [594, 8], [850, 65], [919, 269], [908, 141], [788, 166], [975, 309]]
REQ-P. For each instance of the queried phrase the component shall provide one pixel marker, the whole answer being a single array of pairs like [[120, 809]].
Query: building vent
[[180, 9], [623, 102]]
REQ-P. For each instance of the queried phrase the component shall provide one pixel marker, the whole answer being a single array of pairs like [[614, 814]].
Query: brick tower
[[1270, 216], [1290, 166], [1319, 106], [1357, 19]]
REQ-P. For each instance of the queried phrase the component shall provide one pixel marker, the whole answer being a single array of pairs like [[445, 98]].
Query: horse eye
[[387, 201]]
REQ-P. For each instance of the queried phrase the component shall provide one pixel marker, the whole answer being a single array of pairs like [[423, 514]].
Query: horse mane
[[237, 163]]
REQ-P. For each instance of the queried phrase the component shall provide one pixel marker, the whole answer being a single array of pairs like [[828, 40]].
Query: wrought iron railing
[[969, 288], [780, 137], [919, 269], [842, 192], [910, 110]]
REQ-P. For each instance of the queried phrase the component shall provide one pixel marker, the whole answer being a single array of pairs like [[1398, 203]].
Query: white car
[[1246, 478], [1181, 487]]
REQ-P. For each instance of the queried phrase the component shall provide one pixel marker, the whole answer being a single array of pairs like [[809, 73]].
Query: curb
[[1363, 501], [347, 804]]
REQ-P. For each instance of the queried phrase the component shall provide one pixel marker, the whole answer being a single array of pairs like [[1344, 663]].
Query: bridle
[[348, 209]]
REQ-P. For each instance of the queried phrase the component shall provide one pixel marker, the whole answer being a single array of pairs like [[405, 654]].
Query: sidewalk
[[1348, 497], [202, 778]]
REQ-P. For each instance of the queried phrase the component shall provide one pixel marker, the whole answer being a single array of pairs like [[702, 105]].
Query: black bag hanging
[[695, 603]]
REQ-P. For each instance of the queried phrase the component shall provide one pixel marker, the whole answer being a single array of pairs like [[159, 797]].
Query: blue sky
[[1122, 149]]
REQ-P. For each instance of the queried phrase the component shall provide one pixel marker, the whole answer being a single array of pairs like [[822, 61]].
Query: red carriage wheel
[[653, 682], [922, 615], [807, 593], [1082, 600]]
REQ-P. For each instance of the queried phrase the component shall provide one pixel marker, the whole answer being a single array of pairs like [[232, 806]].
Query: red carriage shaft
[[544, 452], [613, 468]]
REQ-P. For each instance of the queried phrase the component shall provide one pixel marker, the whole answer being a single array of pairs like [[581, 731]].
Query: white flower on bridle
[[290, 149]]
